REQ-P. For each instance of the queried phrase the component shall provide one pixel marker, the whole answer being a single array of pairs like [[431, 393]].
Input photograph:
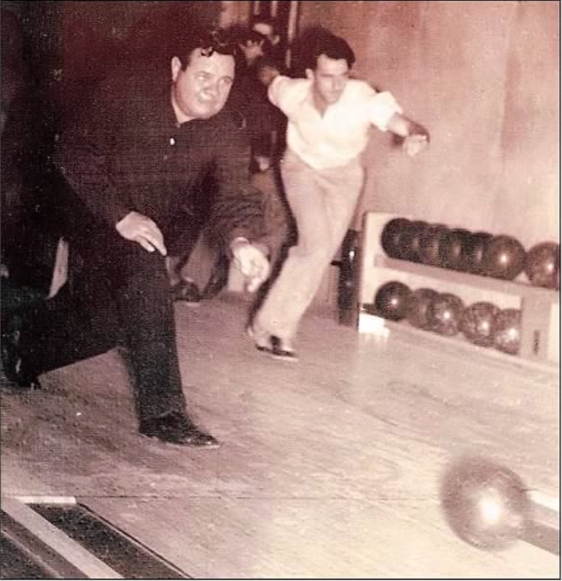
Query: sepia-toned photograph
[[280, 289]]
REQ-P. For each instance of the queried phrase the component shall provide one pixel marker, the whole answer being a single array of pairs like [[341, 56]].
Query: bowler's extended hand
[[416, 141], [251, 261], [143, 230]]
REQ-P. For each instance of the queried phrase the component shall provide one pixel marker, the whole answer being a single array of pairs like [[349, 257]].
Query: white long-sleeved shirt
[[342, 133]]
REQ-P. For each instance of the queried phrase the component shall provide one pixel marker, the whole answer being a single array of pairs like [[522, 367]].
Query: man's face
[[329, 79], [201, 90]]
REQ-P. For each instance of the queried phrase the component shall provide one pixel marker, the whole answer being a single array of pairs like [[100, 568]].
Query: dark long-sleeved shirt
[[126, 152]]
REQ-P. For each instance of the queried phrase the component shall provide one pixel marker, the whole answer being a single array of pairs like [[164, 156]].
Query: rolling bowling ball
[[542, 265], [391, 301], [444, 314], [410, 241], [430, 244], [485, 504], [391, 236], [474, 252], [477, 323], [507, 331], [418, 307], [503, 258], [453, 248]]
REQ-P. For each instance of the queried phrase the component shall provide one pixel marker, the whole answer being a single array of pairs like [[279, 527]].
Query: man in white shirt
[[329, 118]]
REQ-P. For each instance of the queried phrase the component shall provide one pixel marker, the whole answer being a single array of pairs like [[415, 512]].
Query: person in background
[[329, 118], [273, 48]]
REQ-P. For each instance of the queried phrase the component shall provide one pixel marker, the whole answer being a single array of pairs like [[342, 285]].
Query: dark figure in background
[[267, 127], [25, 146], [15, 127], [274, 47], [29, 243], [265, 122], [133, 157]]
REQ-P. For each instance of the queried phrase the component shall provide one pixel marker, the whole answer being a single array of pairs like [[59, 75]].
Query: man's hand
[[251, 261], [263, 162], [417, 139], [143, 230]]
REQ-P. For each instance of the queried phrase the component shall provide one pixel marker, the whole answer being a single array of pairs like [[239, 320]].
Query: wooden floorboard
[[329, 467]]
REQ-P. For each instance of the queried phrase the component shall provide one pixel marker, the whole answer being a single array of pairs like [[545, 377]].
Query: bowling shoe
[[271, 345], [177, 428], [278, 350]]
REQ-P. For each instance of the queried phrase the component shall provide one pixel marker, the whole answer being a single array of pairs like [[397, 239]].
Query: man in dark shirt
[[134, 157]]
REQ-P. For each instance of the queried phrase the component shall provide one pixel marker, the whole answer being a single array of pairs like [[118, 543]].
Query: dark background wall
[[71, 45]]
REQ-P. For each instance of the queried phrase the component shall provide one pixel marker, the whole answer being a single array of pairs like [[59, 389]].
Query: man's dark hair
[[252, 36], [209, 41], [266, 20], [330, 45]]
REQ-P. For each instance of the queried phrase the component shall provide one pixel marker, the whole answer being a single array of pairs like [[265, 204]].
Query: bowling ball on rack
[[477, 323], [418, 307], [391, 300], [507, 331], [410, 240], [391, 236], [485, 504], [474, 252], [444, 314], [430, 244], [453, 248], [542, 265], [504, 257]]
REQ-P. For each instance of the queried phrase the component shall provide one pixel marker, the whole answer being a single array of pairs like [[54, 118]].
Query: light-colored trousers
[[323, 203]]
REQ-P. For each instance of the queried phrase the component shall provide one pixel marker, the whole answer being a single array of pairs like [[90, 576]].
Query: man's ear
[[175, 67], [310, 74]]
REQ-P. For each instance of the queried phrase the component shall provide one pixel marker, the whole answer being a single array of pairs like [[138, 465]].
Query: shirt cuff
[[381, 109]]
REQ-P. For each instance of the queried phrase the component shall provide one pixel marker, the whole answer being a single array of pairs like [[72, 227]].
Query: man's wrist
[[238, 241], [417, 129]]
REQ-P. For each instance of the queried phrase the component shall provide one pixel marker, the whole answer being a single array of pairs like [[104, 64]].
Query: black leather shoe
[[177, 428]]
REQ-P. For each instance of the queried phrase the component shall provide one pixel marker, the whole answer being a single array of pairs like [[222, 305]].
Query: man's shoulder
[[294, 86], [358, 89]]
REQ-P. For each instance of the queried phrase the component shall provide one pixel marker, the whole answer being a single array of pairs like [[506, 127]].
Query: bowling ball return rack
[[538, 305]]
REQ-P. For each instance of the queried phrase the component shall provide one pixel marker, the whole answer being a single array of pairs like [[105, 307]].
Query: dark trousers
[[117, 286]]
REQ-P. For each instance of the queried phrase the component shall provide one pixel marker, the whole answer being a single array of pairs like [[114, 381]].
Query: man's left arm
[[416, 136], [385, 113]]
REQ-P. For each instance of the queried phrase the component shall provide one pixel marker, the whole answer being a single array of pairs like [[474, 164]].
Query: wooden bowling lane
[[280, 537], [329, 467]]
